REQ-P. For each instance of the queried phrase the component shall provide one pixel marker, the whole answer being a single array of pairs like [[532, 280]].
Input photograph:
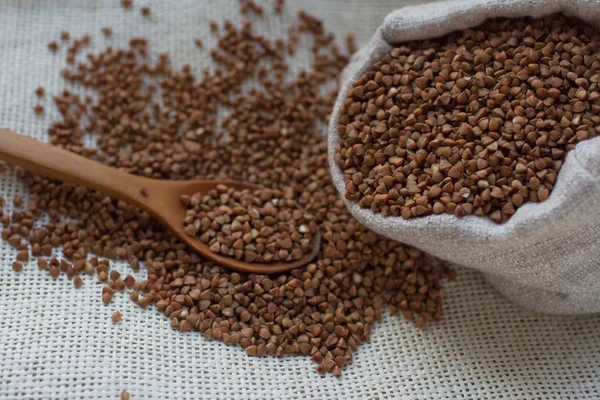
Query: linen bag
[[547, 256]]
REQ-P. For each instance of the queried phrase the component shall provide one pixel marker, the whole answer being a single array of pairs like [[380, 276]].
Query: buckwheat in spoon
[[234, 224]]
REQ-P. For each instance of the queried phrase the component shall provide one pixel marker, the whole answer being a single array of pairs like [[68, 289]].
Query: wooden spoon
[[161, 198]]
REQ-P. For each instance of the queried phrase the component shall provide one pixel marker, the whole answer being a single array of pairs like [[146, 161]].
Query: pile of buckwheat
[[153, 120], [254, 226], [477, 122]]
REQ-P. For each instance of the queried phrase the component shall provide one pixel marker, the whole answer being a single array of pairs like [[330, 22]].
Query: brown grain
[[23, 256], [116, 317], [42, 263], [119, 284], [351, 43], [107, 297], [129, 281], [54, 271], [247, 5], [77, 281], [474, 123], [279, 6], [256, 226], [161, 122]]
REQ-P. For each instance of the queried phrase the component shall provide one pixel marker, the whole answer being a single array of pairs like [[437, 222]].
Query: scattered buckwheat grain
[[157, 121], [116, 317], [279, 6], [77, 281], [23, 256]]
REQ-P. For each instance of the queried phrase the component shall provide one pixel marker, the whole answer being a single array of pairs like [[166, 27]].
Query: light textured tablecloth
[[59, 343]]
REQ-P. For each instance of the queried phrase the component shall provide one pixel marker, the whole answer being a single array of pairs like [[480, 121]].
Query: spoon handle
[[56, 163]]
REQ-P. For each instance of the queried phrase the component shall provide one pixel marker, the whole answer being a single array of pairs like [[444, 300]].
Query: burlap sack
[[547, 256]]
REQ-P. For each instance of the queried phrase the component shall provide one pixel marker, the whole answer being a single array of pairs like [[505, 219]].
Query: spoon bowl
[[159, 198], [164, 196]]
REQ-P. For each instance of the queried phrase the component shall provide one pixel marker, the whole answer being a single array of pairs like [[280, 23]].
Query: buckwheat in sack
[[546, 256]]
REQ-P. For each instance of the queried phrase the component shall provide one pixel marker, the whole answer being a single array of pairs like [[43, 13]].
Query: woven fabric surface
[[546, 256], [59, 343]]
